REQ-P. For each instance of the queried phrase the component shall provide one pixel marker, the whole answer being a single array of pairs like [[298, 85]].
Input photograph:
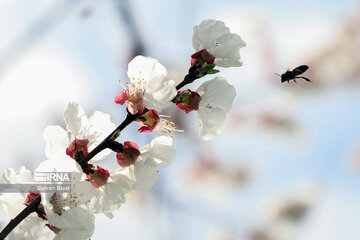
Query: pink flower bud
[[129, 155], [30, 197], [121, 97], [187, 100], [203, 56], [148, 120], [76, 146], [99, 177]]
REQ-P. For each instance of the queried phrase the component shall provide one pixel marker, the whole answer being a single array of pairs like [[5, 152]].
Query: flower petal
[[216, 38], [112, 194], [205, 34], [217, 93], [57, 141], [144, 175], [159, 152], [12, 204], [65, 164], [211, 122], [145, 68], [19, 176], [75, 119], [227, 51], [99, 127], [75, 223], [159, 92], [81, 193]]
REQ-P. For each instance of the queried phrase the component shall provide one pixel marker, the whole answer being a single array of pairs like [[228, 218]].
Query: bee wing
[[300, 70]]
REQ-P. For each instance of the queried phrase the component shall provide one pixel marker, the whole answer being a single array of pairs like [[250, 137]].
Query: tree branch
[[21, 216], [35, 203], [103, 145]]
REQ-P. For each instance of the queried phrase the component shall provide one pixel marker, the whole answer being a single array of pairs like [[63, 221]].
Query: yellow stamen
[[122, 85]]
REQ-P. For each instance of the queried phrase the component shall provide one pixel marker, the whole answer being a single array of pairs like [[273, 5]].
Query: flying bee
[[293, 75]]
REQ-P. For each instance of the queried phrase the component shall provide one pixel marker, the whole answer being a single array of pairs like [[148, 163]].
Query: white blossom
[[111, 195], [13, 203], [217, 96], [104, 199], [70, 215], [12, 176], [31, 227], [81, 191], [158, 153], [95, 129], [148, 76], [217, 39], [67, 211]]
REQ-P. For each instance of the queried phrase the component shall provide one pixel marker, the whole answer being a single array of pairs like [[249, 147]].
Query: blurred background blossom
[[287, 165]]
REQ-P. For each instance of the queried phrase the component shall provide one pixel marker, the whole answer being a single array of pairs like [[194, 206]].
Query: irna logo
[[52, 176]]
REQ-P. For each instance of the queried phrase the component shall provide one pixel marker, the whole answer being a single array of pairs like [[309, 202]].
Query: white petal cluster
[[140, 176], [217, 39], [68, 212], [159, 89], [71, 215], [13, 203], [159, 153], [111, 195], [217, 96], [31, 227], [95, 129], [12, 176], [75, 223]]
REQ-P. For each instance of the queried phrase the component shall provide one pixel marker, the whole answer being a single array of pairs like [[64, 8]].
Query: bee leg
[[305, 78]]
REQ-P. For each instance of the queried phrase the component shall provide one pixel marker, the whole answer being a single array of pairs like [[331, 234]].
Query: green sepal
[[207, 69], [184, 95], [181, 96], [213, 71]]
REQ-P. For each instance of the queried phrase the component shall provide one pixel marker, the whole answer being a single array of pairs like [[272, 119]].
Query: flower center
[[58, 203], [136, 87], [99, 177], [207, 105], [148, 121], [78, 148]]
